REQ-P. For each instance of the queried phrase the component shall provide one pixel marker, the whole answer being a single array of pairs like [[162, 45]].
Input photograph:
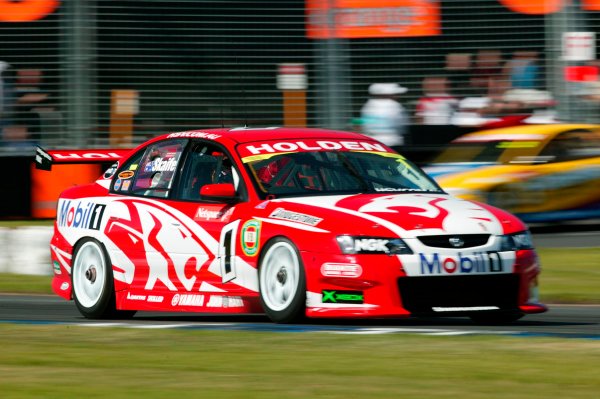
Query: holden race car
[[291, 222], [540, 173]]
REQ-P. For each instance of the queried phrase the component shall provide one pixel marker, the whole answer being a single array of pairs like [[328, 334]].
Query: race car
[[291, 222], [541, 173]]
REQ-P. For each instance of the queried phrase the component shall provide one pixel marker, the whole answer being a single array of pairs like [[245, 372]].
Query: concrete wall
[[25, 250]]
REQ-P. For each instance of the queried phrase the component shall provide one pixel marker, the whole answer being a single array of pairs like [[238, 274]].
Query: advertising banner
[[352, 19]]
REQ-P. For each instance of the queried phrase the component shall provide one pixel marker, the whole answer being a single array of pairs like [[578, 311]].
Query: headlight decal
[[516, 241]]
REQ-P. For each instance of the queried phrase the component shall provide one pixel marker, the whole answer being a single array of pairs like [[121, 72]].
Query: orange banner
[[352, 19], [590, 5], [541, 7], [47, 186], [26, 10]]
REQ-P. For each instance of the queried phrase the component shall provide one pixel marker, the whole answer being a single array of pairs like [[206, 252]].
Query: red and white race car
[[291, 222]]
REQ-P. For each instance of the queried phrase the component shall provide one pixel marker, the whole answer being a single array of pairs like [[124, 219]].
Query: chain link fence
[[83, 73]]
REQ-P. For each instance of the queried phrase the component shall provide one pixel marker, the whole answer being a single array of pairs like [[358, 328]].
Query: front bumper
[[385, 290]]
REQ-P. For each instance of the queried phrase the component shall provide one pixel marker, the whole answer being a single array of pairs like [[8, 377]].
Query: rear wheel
[[282, 282], [92, 280]]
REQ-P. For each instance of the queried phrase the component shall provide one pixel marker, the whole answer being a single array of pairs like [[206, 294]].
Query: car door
[[147, 233], [215, 226]]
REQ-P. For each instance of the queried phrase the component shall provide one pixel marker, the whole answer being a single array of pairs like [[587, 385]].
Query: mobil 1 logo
[[80, 214]]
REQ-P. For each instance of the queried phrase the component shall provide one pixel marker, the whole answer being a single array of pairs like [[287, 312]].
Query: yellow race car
[[542, 173]]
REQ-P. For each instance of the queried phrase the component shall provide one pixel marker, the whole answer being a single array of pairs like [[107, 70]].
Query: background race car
[[542, 173]]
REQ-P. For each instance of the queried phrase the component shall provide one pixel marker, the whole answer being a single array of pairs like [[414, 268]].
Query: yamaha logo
[[456, 242]]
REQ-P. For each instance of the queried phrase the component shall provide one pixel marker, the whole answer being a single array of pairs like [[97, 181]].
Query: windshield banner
[[308, 145]]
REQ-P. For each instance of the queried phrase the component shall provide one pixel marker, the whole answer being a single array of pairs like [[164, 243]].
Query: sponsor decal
[[80, 214], [187, 300], [477, 262], [126, 174], [56, 267], [334, 296], [126, 185], [118, 184], [371, 245], [161, 165], [201, 135], [392, 189], [223, 301], [203, 213], [341, 270], [134, 297], [283, 214], [156, 298], [250, 235], [311, 145], [64, 286], [111, 171]]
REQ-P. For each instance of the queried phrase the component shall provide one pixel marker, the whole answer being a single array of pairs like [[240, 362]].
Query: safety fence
[[80, 73]]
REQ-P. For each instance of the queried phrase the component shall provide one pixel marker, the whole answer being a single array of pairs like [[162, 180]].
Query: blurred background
[[110, 73]]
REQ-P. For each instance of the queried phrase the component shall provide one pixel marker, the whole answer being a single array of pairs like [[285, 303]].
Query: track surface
[[566, 236], [567, 321]]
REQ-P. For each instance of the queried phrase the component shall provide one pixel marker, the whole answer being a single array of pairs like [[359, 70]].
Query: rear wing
[[44, 159]]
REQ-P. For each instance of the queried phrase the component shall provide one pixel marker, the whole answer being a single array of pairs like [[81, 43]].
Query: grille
[[421, 294], [443, 241]]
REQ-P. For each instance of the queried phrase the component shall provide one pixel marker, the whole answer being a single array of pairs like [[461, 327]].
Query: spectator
[[523, 70], [29, 97], [383, 117], [6, 94], [458, 71], [437, 106], [472, 112], [488, 67]]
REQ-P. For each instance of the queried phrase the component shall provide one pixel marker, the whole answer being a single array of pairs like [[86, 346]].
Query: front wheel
[[282, 282], [92, 280]]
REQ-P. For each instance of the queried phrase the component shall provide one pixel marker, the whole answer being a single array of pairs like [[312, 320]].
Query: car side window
[[205, 164], [152, 173], [122, 182]]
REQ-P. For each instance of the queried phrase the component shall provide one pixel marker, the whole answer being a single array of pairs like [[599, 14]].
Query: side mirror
[[218, 192]]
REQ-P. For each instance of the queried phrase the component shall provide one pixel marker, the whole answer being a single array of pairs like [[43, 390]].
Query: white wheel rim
[[279, 275], [89, 274]]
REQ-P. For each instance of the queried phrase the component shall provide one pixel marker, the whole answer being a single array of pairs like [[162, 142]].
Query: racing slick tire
[[282, 281], [92, 282], [496, 318]]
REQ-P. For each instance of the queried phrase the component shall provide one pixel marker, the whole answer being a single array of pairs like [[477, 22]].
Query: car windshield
[[336, 172]]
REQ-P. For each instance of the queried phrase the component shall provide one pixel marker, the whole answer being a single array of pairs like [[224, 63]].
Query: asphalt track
[[561, 321], [566, 235]]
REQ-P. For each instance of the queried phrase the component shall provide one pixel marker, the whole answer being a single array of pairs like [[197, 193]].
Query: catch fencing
[[112, 73]]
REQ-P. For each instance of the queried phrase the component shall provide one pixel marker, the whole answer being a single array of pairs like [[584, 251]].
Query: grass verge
[[77, 362]]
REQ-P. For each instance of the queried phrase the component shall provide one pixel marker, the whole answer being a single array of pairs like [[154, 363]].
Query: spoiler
[[44, 159]]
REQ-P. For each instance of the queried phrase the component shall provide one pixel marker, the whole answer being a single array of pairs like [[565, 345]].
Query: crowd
[[477, 90]]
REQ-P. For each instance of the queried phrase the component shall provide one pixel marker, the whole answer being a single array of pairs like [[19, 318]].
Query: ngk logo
[[370, 245]]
